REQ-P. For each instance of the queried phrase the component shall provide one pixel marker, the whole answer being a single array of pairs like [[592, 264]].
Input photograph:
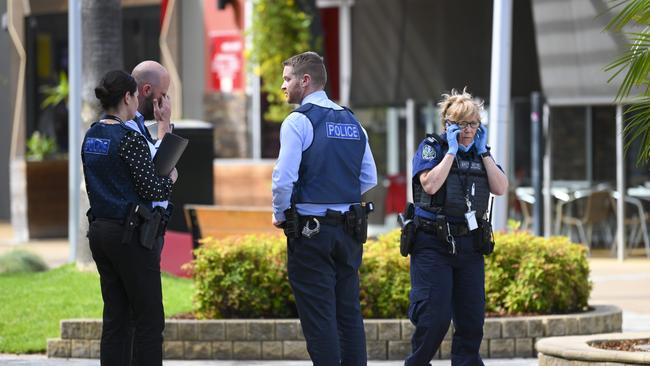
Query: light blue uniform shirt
[[153, 148], [296, 135]]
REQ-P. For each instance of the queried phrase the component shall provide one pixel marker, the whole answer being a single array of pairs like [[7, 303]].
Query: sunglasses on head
[[472, 124]]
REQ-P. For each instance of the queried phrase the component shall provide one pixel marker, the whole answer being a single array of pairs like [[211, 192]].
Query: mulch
[[628, 345]]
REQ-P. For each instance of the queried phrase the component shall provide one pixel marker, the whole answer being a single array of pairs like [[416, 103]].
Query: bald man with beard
[[153, 104]]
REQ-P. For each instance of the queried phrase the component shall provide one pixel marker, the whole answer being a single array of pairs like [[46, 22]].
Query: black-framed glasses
[[472, 124]]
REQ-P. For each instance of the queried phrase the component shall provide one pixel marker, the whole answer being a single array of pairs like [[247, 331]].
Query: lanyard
[[114, 118], [463, 184]]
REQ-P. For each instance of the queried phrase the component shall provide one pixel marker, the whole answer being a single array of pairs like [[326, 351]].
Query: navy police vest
[[467, 178], [108, 181], [331, 165]]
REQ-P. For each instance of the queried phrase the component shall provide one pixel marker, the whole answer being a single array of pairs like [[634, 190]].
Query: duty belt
[[431, 227], [332, 218]]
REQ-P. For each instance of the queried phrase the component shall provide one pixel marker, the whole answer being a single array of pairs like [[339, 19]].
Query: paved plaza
[[624, 284], [42, 361]]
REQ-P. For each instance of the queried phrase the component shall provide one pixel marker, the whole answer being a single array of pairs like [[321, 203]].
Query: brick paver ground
[[11, 360], [625, 284]]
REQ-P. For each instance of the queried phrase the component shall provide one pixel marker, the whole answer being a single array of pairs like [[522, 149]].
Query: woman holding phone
[[453, 176]]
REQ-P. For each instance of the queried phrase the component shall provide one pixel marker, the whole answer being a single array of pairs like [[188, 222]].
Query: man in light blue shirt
[[153, 103], [324, 166]]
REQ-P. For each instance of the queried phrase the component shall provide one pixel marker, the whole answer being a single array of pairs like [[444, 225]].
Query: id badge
[[470, 217]]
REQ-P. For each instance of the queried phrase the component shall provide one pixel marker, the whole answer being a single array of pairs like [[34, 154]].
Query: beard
[[147, 108]]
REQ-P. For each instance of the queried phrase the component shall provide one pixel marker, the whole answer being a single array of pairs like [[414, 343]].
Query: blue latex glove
[[452, 139], [480, 140]]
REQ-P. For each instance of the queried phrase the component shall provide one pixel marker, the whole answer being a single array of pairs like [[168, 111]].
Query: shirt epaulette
[[434, 139]]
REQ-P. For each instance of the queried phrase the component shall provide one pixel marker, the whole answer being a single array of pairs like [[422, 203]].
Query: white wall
[[192, 58]]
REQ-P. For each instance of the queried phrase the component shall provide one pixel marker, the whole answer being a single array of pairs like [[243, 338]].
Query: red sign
[[227, 62]]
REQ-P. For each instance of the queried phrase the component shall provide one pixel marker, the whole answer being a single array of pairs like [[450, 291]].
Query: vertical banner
[[227, 62]]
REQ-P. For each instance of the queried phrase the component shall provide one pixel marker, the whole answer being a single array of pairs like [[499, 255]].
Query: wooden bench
[[221, 221]]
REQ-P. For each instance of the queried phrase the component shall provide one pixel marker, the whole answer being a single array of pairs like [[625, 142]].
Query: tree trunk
[[102, 52]]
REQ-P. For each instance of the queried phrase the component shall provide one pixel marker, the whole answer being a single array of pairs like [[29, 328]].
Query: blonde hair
[[460, 107]]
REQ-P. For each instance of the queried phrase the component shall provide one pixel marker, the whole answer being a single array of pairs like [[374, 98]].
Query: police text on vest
[[343, 131]]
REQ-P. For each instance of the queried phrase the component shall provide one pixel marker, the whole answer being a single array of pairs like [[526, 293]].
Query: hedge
[[531, 274], [246, 277], [21, 261]]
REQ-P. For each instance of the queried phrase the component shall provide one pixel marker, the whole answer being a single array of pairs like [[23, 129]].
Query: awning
[[574, 49], [418, 48]]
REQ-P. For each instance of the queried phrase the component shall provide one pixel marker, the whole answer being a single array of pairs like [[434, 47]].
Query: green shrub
[[243, 277], [384, 278], [21, 261], [246, 277], [40, 146], [529, 274]]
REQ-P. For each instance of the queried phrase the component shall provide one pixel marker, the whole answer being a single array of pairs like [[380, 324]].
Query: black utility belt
[[333, 218], [354, 222], [109, 220], [442, 230], [439, 227], [149, 224]]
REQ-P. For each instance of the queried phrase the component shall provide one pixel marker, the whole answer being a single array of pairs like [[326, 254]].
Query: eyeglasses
[[472, 124]]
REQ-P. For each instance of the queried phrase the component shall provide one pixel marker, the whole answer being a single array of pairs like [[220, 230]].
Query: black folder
[[169, 152]]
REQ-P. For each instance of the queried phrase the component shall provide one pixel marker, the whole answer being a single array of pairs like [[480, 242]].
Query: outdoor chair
[[525, 202], [636, 220], [597, 210]]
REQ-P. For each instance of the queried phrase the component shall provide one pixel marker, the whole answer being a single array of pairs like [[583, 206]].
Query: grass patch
[[32, 304]]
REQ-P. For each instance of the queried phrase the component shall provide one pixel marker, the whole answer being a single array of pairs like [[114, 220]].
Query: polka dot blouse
[[135, 152]]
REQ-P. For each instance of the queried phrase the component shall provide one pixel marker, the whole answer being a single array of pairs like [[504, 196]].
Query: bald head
[[153, 83], [149, 72]]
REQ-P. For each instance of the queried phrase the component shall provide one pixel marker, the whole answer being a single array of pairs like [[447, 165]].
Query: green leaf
[[57, 93], [279, 30], [633, 65]]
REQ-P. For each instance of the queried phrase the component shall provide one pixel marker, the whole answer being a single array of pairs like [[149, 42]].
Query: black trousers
[[131, 289], [446, 287], [324, 275]]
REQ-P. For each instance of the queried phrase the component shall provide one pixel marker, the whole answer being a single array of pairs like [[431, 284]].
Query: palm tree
[[634, 66], [102, 52]]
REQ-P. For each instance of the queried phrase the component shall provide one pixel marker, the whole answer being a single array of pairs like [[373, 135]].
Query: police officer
[[124, 232], [323, 168], [453, 176]]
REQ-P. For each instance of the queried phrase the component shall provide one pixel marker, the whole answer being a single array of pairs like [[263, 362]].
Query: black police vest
[[467, 178], [331, 165], [108, 180]]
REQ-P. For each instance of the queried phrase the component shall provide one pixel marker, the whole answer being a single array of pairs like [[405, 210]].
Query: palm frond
[[637, 11], [636, 63], [638, 127]]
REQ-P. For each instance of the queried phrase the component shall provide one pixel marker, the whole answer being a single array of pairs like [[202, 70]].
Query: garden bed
[[627, 345], [273, 339], [579, 351]]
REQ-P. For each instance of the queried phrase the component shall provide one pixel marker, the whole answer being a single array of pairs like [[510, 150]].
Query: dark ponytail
[[112, 88]]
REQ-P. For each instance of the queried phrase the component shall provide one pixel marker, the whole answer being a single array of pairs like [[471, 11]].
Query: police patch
[[94, 145], [345, 131], [428, 152]]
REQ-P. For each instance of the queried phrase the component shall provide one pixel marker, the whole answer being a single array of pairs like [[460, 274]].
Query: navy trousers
[[129, 275], [324, 275], [446, 287]]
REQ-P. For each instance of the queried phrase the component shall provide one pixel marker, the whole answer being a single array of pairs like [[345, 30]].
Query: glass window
[[568, 143]]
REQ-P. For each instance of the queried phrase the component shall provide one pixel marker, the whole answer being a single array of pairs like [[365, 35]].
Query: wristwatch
[[486, 153]]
